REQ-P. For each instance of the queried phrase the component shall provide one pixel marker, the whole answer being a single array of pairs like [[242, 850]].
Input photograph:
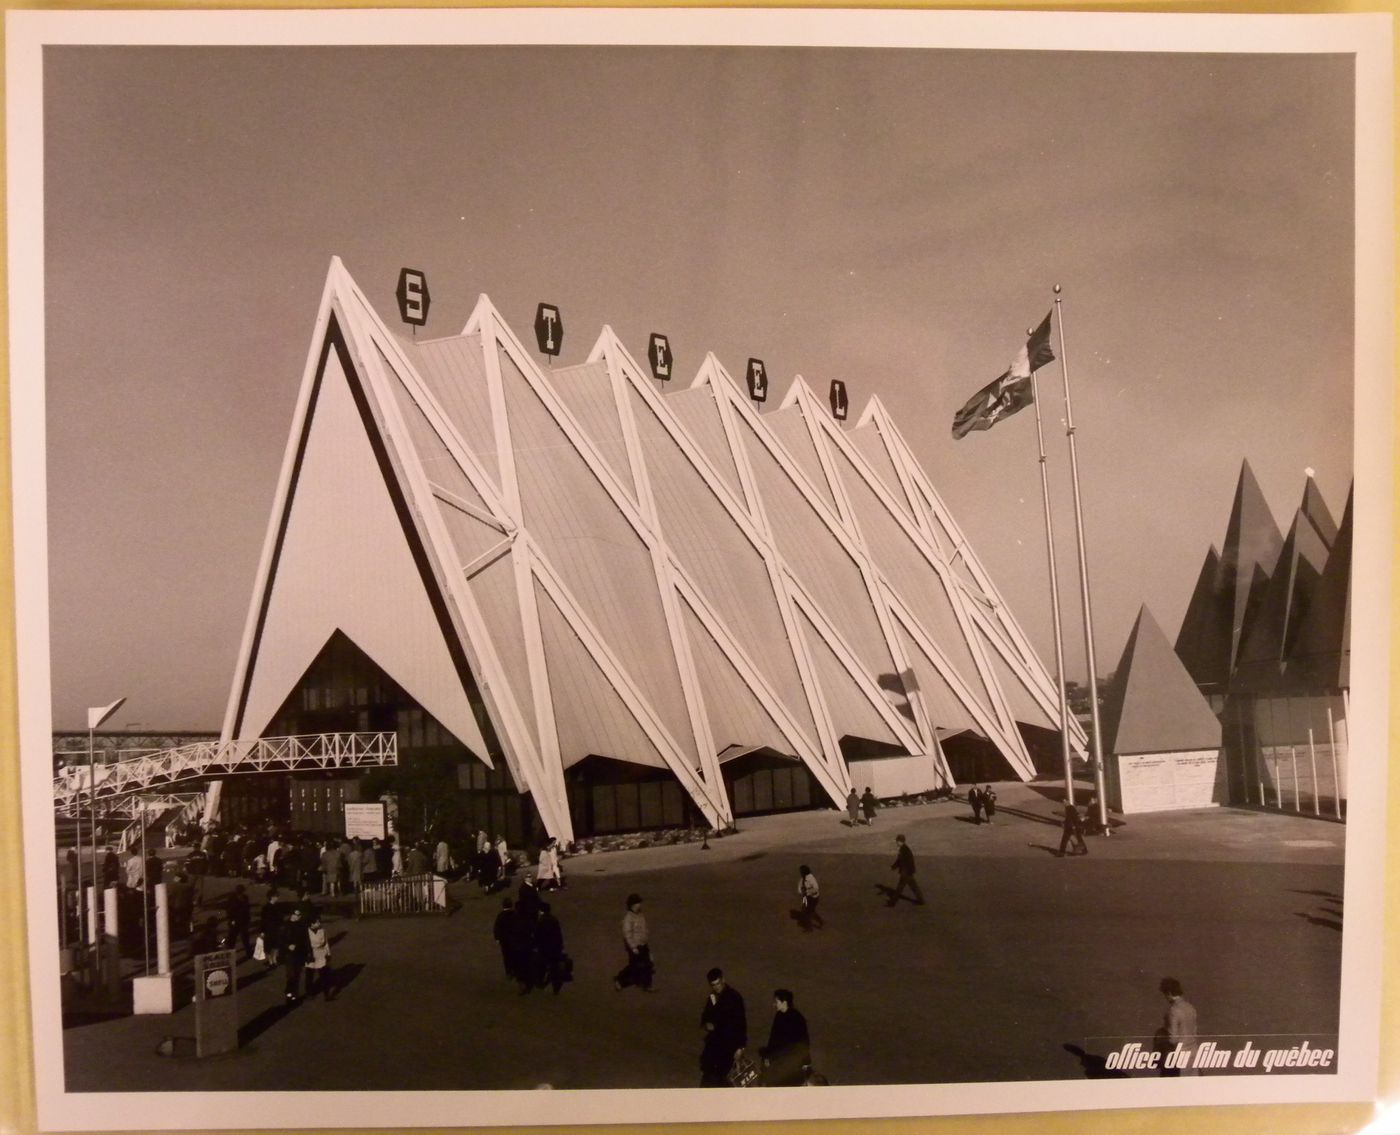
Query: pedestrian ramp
[[76, 787]]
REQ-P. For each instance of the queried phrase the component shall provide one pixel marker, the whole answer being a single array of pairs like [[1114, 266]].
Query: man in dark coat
[[974, 798], [989, 803], [549, 949], [519, 946], [868, 805], [788, 1052], [726, 1031], [1073, 831], [904, 864], [240, 917], [270, 925], [501, 931], [296, 952]]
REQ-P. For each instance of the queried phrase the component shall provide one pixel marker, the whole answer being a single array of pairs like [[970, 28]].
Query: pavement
[[1021, 966]]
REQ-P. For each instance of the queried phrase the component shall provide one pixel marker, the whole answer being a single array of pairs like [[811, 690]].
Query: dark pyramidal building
[[1266, 638]]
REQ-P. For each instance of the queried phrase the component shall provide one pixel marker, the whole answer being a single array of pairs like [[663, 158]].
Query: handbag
[[259, 950], [744, 1071]]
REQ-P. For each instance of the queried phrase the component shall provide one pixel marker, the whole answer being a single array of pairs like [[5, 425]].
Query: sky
[[892, 218]]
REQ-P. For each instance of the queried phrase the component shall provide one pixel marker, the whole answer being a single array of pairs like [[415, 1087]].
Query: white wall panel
[[346, 564]]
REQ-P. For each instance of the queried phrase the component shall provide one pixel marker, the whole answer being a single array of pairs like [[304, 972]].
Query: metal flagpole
[[1099, 793], [1054, 599]]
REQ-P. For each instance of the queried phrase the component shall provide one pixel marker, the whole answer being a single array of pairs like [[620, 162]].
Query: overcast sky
[[892, 218]]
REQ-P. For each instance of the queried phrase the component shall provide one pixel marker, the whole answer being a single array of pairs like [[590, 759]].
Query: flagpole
[[1099, 793], [1054, 599]]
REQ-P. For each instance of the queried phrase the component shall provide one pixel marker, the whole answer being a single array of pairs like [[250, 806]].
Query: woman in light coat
[[318, 965], [549, 876]]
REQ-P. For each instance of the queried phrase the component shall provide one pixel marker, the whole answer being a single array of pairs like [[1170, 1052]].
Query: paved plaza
[[1018, 959]]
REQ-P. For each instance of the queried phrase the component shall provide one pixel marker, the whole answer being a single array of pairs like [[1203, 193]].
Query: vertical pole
[[111, 931], [1054, 601], [162, 930], [78, 839], [1292, 751], [145, 895], [92, 835], [1312, 757], [90, 898], [1273, 746], [1083, 580], [1336, 778]]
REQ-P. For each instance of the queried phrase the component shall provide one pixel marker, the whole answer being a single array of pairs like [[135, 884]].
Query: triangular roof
[[1320, 654], [1247, 559], [1259, 666], [1152, 705], [1202, 643], [616, 572], [1315, 509]]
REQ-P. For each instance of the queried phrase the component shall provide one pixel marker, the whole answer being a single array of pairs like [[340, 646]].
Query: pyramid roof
[[1152, 704], [1287, 596], [1320, 653], [583, 566], [1202, 643], [1247, 559]]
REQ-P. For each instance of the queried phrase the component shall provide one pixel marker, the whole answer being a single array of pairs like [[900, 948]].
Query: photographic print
[[566, 559]]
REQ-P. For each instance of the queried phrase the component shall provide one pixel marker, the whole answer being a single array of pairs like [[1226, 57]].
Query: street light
[[95, 718]]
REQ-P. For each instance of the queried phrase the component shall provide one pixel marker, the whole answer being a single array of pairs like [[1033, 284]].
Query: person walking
[[726, 1031], [639, 969], [548, 876], [809, 894], [318, 964], [788, 1054], [549, 948], [503, 932], [1179, 1027], [296, 952], [904, 865], [270, 926], [331, 869], [442, 858], [974, 798], [989, 803], [868, 805], [1073, 830], [240, 919], [853, 807]]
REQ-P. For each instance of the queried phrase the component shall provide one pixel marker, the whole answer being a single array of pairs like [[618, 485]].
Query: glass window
[[604, 808], [649, 798]]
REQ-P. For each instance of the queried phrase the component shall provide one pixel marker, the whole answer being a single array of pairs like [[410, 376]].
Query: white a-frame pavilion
[[565, 563]]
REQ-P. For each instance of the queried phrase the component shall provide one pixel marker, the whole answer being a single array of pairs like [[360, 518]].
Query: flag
[[1009, 391]]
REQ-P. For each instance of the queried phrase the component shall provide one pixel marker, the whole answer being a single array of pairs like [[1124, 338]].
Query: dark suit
[[727, 1032], [904, 864]]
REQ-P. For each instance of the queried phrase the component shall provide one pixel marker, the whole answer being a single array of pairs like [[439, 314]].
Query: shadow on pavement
[[253, 1029], [1055, 851], [340, 977], [1094, 1067], [1330, 923]]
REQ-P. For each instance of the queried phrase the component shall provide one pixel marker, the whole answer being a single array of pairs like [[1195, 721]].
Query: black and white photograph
[[569, 558]]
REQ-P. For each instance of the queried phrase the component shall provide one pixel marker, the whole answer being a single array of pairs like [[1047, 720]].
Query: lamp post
[[95, 718]]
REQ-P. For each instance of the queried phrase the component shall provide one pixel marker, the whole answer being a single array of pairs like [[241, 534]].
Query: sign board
[[365, 821], [1163, 782], [758, 380], [549, 329], [659, 353], [413, 296], [839, 402], [215, 1003]]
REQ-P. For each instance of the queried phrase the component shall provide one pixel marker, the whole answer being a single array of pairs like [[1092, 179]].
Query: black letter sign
[[838, 400], [758, 381], [659, 352], [413, 296], [549, 328]]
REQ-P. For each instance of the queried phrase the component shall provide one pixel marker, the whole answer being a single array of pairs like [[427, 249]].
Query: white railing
[[73, 787], [405, 894]]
